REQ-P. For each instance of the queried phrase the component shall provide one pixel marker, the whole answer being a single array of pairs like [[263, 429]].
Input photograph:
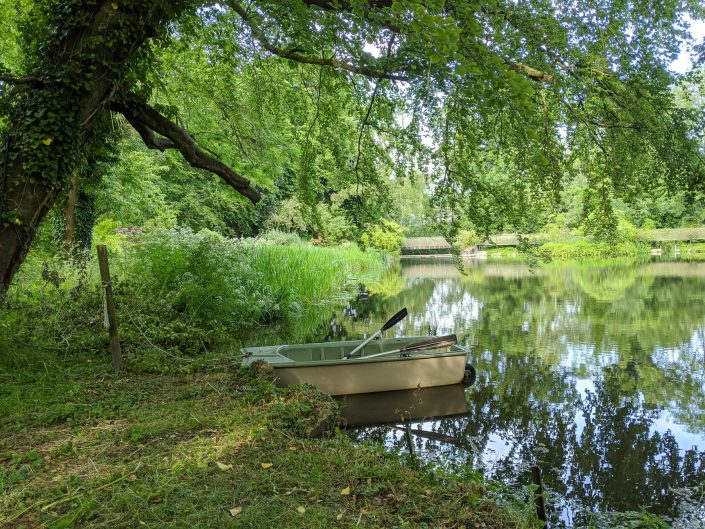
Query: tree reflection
[[596, 373]]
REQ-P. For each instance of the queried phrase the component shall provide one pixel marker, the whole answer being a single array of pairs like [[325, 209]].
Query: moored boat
[[381, 365]]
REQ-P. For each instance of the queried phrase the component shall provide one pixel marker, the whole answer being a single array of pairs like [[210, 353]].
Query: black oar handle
[[395, 319]]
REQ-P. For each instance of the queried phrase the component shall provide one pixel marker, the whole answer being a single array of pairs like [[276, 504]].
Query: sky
[[681, 65], [685, 61]]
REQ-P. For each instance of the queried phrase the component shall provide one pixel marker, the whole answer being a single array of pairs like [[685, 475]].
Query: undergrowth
[[180, 295]]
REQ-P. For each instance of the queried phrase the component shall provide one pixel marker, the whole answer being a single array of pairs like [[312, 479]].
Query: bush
[[335, 227], [281, 238], [178, 293], [466, 239], [289, 218], [386, 236], [583, 250]]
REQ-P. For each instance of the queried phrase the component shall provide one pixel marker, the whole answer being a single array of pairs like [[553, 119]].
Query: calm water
[[595, 373]]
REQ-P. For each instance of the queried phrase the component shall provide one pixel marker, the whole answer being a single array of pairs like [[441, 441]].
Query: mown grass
[[82, 446]]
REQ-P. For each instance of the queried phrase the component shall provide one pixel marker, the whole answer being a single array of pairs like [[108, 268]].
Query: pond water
[[596, 373]]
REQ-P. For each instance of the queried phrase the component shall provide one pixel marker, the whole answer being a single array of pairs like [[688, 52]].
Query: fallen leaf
[[223, 466], [345, 491], [266, 465], [339, 517], [301, 509], [235, 511], [132, 477]]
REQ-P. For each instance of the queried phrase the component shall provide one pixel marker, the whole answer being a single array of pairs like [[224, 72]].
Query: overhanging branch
[[533, 73], [388, 72], [147, 120], [19, 80]]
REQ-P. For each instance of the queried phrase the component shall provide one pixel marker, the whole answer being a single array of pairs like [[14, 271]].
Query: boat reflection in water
[[400, 408]]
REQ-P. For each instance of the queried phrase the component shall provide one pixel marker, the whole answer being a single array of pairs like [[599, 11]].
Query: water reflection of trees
[[589, 370]]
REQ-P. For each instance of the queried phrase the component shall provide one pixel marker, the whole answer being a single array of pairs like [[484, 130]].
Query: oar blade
[[395, 319], [436, 341]]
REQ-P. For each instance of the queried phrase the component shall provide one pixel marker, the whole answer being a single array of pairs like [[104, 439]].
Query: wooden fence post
[[112, 324]]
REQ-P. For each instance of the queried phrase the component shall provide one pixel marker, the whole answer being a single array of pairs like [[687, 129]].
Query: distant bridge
[[426, 246], [440, 246]]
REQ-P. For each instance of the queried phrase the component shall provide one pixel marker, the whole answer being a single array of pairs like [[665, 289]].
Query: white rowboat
[[383, 365]]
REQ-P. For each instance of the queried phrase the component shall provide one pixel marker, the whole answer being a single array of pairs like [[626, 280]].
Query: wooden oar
[[436, 342], [391, 322]]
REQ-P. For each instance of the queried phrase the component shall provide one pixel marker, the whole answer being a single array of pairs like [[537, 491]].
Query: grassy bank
[[586, 250], [181, 295], [82, 446], [629, 242]]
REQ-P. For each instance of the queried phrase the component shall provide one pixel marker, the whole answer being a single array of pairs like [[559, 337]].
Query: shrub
[[335, 227], [466, 239], [104, 233], [289, 218], [281, 238], [582, 250], [386, 236], [178, 293]]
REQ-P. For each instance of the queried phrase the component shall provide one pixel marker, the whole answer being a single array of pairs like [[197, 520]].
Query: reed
[[180, 292]]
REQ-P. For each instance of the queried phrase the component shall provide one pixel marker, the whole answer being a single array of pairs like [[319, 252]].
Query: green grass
[[505, 254], [82, 446], [311, 274], [181, 294], [590, 250]]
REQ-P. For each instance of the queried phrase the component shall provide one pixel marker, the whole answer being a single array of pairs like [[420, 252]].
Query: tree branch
[[147, 120], [20, 80], [533, 73], [382, 73], [345, 5]]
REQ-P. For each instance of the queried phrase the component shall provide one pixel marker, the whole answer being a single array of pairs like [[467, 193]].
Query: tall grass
[[238, 282], [178, 293], [308, 275]]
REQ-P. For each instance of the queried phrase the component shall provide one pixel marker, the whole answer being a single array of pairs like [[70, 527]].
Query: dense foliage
[[180, 294], [498, 107]]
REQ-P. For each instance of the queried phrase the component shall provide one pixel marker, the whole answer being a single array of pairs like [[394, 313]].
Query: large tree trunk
[[24, 207], [54, 118]]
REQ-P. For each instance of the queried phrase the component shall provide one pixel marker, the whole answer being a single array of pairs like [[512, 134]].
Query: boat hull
[[381, 366], [371, 377]]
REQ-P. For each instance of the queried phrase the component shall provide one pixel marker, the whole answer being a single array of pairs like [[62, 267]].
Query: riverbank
[[185, 437], [590, 251], [182, 296], [83, 446]]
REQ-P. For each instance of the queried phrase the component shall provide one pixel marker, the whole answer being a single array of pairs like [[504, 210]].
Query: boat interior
[[331, 351]]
